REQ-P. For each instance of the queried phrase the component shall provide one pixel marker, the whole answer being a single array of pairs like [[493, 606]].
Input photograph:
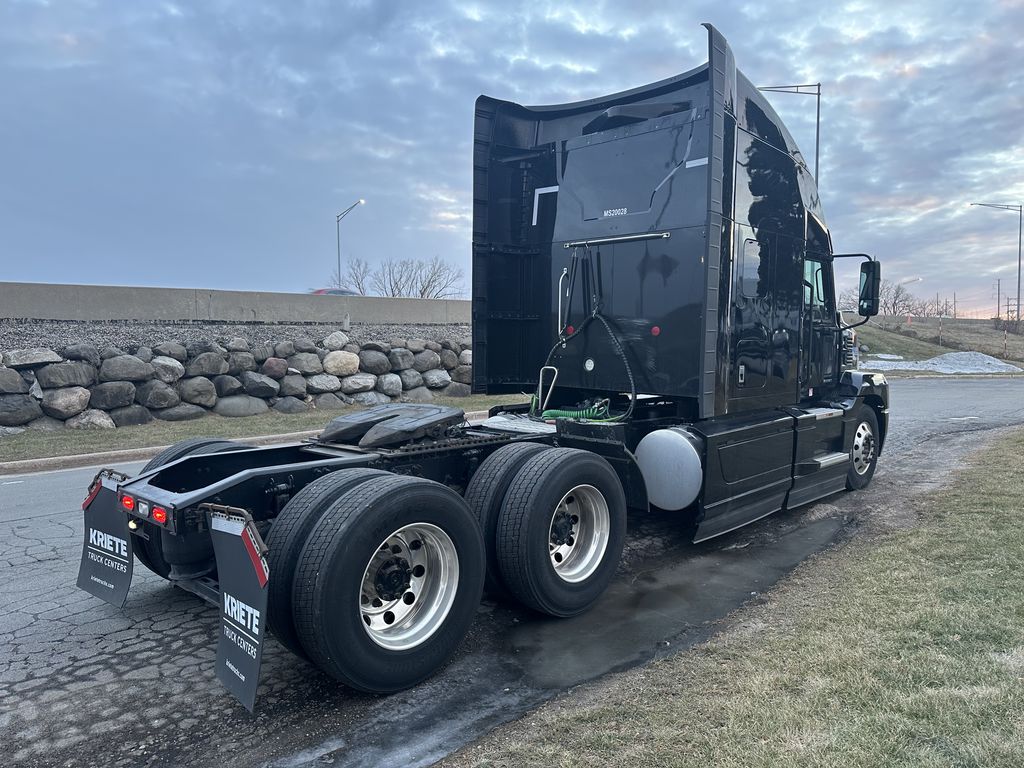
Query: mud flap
[[243, 574], [106, 567]]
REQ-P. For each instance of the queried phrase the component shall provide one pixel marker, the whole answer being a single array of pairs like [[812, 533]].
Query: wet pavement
[[82, 683]]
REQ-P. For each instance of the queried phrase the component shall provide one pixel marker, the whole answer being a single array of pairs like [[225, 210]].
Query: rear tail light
[[160, 515], [128, 502]]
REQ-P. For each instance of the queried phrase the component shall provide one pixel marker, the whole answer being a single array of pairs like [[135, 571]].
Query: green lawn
[[68, 442], [901, 649], [892, 343]]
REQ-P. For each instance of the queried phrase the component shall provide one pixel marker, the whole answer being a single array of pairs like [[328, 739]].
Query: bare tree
[[395, 277], [895, 300], [357, 276], [437, 279]]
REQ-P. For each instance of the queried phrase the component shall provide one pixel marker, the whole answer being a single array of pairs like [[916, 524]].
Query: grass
[[973, 335], [881, 341], [68, 442], [905, 648]]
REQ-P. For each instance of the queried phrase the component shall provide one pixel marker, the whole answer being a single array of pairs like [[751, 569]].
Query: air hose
[[599, 411]]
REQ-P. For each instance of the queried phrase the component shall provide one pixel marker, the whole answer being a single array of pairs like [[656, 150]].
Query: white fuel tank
[[670, 462]]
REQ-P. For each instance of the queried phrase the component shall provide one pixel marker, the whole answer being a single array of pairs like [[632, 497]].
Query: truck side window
[[749, 276], [814, 292]]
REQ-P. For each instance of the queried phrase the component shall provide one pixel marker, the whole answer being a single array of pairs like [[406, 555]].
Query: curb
[[54, 463]]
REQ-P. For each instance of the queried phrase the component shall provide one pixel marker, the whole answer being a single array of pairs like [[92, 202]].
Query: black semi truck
[[653, 267]]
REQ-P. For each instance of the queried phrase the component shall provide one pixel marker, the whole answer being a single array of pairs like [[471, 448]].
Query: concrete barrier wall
[[44, 301]]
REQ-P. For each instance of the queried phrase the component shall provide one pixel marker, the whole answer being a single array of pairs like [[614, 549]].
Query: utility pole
[[938, 307], [954, 305], [1020, 239], [999, 286]]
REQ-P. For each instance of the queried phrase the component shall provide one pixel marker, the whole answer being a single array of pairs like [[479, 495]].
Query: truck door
[[752, 317], [819, 332]]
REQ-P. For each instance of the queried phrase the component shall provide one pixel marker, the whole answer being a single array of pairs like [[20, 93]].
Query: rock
[[353, 348], [359, 382], [202, 346], [26, 358], [321, 353], [433, 346], [125, 368], [376, 346], [10, 431], [145, 354], [328, 402], [112, 394], [466, 343], [436, 378], [463, 374], [109, 352], [167, 369], [86, 352], [466, 357], [239, 361], [198, 390], [258, 384], [370, 398], [400, 359], [865, 348], [65, 402], [284, 349], [418, 395], [237, 344], [426, 360], [334, 341], [35, 390], [11, 382], [397, 343], [226, 385], [304, 345], [207, 364], [449, 359], [240, 405], [416, 345], [131, 416], [454, 390], [274, 367], [45, 424], [171, 349], [293, 385], [373, 361], [290, 405], [306, 363], [18, 409], [341, 363], [156, 394], [262, 352], [90, 419], [182, 412], [73, 374], [410, 379], [321, 383], [451, 345], [390, 384]]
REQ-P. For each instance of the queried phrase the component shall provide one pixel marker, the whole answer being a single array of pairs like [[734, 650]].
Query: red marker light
[[569, 330], [128, 503], [160, 515], [656, 330]]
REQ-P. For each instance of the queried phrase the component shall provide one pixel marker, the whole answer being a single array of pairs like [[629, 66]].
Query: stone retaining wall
[[84, 387]]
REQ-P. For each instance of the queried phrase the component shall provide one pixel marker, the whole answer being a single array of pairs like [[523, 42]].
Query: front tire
[[388, 583], [561, 531], [864, 451]]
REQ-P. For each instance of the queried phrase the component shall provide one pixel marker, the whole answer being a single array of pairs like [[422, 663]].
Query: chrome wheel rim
[[578, 533], [409, 586], [863, 453]]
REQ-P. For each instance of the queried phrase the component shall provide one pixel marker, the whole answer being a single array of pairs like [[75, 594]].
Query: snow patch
[[951, 362], [885, 356]]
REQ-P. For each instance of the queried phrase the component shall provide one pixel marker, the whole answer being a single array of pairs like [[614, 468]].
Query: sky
[[210, 144]]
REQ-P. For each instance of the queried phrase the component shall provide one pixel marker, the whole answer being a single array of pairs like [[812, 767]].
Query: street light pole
[[337, 228], [1020, 238], [798, 89]]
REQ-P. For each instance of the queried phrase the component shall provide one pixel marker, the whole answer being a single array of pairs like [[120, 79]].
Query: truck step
[[825, 461]]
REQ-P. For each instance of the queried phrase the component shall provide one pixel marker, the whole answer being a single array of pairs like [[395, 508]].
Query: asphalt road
[[82, 683]]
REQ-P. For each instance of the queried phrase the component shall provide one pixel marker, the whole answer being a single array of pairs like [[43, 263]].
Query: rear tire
[[561, 531], [485, 494], [287, 536], [347, 583], [149, 551], [864, 452]]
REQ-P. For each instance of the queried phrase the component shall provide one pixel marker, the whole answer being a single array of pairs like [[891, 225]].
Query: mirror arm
[[854, 325], [852, 256]]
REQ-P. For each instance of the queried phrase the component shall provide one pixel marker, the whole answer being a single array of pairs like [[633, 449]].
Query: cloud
[[212, 143]]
